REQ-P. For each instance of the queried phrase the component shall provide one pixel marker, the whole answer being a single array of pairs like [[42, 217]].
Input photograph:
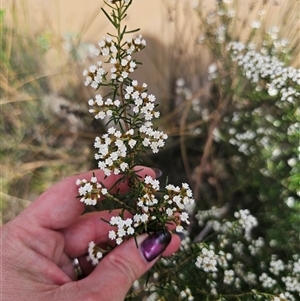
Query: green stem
[[120, 13], [125, 111], [130, 208]]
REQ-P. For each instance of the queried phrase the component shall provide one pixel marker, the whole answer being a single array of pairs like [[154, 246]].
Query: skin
[[37, 248]]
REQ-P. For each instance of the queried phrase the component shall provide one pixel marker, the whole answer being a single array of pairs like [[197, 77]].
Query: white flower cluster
[[285, 297], [127, 227], [178, 199], [291, 278], [94, 254], [90, 191], [203, 215], [103, 108], [247, 221], [296, 265], [207, 260], [250, 278], [267, 281], [143, 102], [174, 202], [121, 72], [95, 75], [228, 277], [152, 139], [113, 147], [243, 226], [256, 246], [148, 197], [120, 67], [276, 265], [124, 228], [224, 258], [238, 247], [143, 105], [292, 283], [112, 150], [278, 79], [135, 44], [186, 295], [212, 71], [131, 109]]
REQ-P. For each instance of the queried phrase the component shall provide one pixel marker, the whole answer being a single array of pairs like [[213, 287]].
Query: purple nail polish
[[155, 244]]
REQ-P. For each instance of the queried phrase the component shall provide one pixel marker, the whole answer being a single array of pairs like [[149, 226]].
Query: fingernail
[[155, 244], [158, 172]]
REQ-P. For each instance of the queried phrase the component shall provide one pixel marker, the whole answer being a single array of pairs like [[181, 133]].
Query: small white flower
[[117, 134], [108, 102], [124, 74], [101, 43], [117, 103], [124, 166], [130, 231], [212, 68], [91, 102], [179, 228], [228, 277], [105, 51], [121, 232], [100, 115], [99, 255], [113, 49], [91, 256], [169, 212], [132, 143], [93, 179], [207, 260], [256, 24], [184, 217], [273, 91], [144, 217], [124, 62], [104, 191], [119, 240]]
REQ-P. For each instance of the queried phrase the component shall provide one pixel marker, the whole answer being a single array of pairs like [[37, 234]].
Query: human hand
[[38, 247]]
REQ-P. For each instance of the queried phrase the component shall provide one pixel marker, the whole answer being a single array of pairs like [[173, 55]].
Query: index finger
[[59, 207]]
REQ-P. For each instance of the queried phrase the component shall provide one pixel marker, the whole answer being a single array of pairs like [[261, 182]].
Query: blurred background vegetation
[[207, 103], [235, 143]]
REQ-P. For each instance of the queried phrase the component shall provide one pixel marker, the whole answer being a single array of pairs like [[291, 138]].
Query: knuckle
[[127, 270]]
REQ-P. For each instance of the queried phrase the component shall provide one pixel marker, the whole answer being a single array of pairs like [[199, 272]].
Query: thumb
[[117, 271]]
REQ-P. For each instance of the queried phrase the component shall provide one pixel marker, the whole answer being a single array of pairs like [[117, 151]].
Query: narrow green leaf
[[108, 17], [133, 30]]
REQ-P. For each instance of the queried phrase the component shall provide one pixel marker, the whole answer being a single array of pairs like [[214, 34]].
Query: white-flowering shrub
[[239, 237]]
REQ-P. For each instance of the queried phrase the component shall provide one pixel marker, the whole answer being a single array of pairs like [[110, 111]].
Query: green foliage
[[249, 159]]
